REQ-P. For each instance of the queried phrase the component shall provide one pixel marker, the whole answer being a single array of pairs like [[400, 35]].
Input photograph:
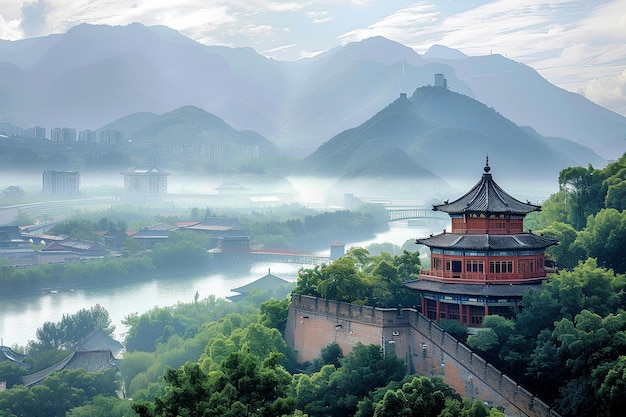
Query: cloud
[[320, 16], [402, 26], [34, 18], [609, 92], [284, 7]]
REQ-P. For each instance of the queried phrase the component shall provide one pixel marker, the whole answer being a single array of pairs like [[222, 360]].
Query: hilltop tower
[[487, 262]]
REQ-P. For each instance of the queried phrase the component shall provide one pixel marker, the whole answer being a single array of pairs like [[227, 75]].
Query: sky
[[579, 45]]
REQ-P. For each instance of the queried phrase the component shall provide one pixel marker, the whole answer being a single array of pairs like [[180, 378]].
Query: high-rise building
[[63, 134], [111, 136], [61, 183], [36, 132], [87, 136]]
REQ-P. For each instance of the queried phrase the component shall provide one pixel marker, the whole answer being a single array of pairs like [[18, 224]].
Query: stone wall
[[314, 323]]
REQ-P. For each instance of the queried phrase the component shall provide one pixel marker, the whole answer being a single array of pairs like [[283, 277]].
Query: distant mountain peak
[[382, 50], [443, 52]]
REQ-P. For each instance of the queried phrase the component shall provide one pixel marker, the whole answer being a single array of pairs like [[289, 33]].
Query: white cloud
[[400, 26], [320, 16], [609, 92], [284, 7]]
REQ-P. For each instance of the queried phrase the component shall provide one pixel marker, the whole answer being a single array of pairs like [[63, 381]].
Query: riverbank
[[102, 272], [20, 316]]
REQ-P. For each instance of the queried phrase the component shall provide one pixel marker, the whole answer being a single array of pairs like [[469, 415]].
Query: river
[[21, 316]]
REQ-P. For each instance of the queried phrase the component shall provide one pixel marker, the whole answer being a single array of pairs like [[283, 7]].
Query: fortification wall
[[314, 323]]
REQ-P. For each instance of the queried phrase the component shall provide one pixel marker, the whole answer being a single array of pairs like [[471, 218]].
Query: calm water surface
[[20, 317]]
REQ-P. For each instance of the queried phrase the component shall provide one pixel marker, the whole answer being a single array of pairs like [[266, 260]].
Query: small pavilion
[[486, 263]]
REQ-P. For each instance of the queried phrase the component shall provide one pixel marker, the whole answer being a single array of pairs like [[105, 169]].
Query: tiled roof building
[[91, 361], [487, 262], [76, 246]]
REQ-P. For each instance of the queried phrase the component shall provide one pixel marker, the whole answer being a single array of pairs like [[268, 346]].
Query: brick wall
[[314, 323]]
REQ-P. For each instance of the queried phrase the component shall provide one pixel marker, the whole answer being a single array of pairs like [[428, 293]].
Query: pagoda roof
[[217, 224], [459, 241], [477, 290], [486, 197], [268, 282]]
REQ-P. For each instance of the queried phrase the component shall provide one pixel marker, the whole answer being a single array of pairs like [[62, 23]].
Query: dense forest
[[214, 357]]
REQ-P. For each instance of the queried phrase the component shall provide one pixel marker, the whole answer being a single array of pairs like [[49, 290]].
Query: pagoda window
[[497, 225], [498, 267], [526, 266], [475, 266], [437, 264], [448, 265]]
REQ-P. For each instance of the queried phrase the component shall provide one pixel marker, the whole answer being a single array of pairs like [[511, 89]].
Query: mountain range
[[436, 137], [92, 76]]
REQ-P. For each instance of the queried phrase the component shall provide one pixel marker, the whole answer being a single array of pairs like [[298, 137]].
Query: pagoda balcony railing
[[485, 231], [482, 278]]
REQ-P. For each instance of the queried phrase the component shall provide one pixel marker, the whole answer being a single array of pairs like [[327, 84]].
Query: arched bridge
[[403, 213]]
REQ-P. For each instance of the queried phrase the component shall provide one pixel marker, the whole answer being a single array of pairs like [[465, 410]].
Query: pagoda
[[486, 263]]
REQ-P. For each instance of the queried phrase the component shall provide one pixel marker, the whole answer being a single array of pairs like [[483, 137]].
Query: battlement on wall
[[342, 310], [314, 323]]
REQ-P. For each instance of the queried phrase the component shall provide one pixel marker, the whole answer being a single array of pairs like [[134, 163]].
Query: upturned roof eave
[[434, 241], [486, 196]]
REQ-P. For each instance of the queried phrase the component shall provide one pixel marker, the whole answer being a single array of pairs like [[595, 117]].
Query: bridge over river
[[397, 213], [289, 258]]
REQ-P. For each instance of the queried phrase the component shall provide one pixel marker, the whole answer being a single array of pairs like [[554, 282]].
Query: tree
[[102, 406], [242, 386], [586, 192], [332, 355], [73, 328], [616, 195], [611, 388], [485, 340], [78, 229], [604, 238], [341, 281], [453, 327], [11, 373], [57, 393], [274, 313], [409, 265], [564, 254], [420, 396]]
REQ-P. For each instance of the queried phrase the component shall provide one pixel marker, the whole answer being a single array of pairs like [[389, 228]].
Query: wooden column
[[461, 314]]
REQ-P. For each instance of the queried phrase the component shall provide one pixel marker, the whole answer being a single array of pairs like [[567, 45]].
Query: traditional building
[[487, 262], [227, 235], [145, 185]]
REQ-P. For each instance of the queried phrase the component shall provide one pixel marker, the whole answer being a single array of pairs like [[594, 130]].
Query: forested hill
[[444, 133]]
